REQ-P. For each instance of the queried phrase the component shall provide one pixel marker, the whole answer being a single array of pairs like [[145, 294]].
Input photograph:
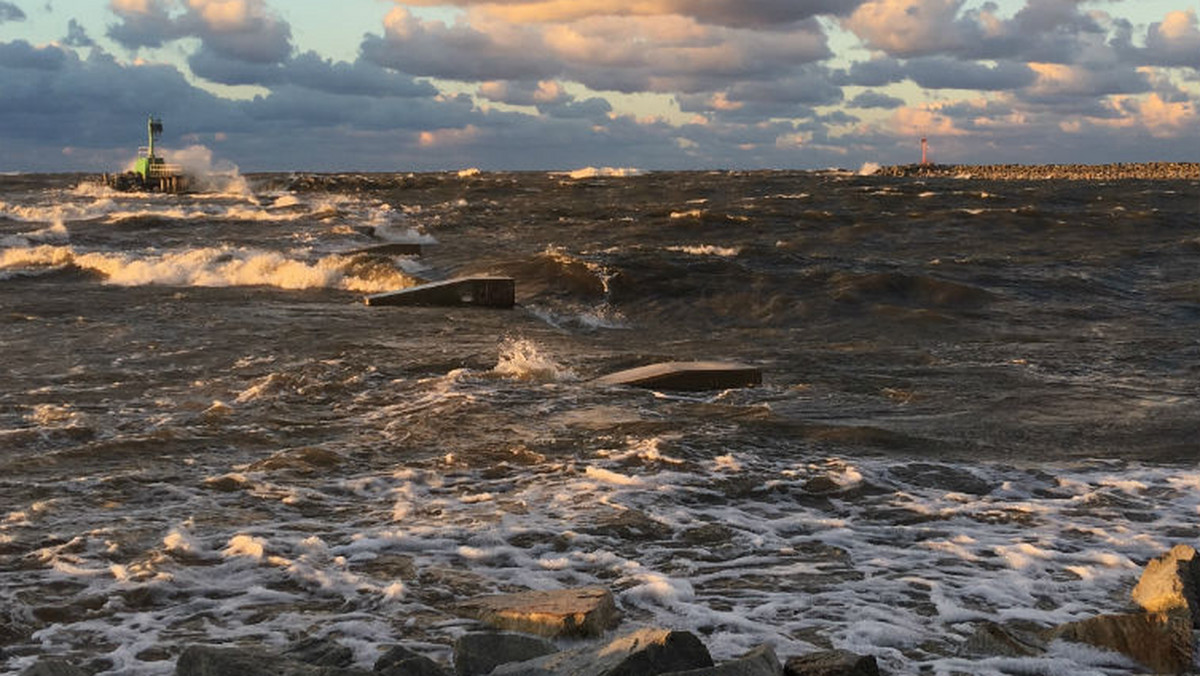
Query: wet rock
[[53, 667], [647, 652], [302, 460], [201, 660], [831, 663], [1160, 641], [414, 666], [991, 639], [479, 653], [632, 524], [708, 534], [389, 566], [322, 652], [401, 661], [760, 661], [942, 477], [1169, 582], [394, 655], [583, 612]]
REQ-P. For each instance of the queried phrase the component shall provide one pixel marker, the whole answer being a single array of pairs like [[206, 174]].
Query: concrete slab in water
[[483, 291], [389, 249], [687, 375]]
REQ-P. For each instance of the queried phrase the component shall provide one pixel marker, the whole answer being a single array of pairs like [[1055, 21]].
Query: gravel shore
[[1077, 172]]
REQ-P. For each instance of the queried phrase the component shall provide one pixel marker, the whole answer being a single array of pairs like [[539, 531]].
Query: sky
[[423, 85]]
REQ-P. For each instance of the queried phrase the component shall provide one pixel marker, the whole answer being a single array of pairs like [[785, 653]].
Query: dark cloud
[[24, 56], [937, 72], [877, 72], [309, 71], [875, 100], [10, 12], [77, 36], [594, 108]]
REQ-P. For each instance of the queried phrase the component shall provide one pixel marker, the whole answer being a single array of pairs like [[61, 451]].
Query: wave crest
[[217, 267]]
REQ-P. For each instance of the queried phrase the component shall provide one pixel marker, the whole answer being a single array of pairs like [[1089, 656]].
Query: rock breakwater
[[1032, 172]]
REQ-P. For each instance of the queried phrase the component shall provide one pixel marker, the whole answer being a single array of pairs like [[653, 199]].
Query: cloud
[[759, 14], [24, 56], [875, 100], [663, 53], [243, 30], [1063, 83], [939, 72], [10, 12], [525, 93], [458, 52], [77, 36], [1175, 41], [907, 27], [309, 71]]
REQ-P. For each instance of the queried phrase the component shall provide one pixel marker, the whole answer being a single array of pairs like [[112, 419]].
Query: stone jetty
[[1145, 171]]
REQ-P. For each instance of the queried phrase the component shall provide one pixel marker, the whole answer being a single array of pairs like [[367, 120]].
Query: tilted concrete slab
[[692, 376], [483, 291], [389, 249]]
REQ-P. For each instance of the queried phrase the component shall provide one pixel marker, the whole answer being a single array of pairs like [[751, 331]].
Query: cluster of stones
[[1159, 635], [517, 643], [1031, 172]]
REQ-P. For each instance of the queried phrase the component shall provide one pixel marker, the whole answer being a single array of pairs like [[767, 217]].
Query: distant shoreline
[[1026, 172]]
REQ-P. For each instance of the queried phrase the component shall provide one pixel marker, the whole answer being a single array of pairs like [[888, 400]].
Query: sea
[[980, 404]]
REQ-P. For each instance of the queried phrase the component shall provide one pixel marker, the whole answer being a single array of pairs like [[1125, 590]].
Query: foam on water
[[522, 359], [707, 250], [604, 172], [889, 571]]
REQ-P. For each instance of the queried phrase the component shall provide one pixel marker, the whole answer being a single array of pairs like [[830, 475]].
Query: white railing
[[158, 170]]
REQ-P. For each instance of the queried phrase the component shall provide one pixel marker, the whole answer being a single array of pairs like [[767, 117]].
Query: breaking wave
[[215, 267]]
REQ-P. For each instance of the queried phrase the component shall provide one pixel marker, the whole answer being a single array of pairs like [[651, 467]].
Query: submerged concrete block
[[483, 291], [389, 249], [588, 611], [687, 375]]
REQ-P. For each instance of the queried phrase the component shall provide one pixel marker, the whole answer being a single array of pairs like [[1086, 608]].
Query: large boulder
[[760, 661], [53, 667], [202, 660], [647, 652], [322, 652], [401, 661], [1169, 582], [831, 663], [1160, 641], [585, 612], [477, 653]]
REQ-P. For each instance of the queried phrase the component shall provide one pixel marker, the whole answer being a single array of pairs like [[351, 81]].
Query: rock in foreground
[[584, 612], [648, 652]]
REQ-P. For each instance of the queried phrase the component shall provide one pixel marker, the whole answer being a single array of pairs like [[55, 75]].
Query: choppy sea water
[[980, 403]]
